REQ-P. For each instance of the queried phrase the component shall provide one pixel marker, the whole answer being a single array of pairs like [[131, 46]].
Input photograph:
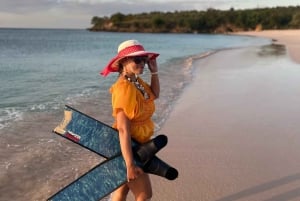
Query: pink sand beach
[[234, 132]]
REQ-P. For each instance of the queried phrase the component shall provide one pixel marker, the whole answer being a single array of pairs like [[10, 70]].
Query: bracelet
[[154, 73]]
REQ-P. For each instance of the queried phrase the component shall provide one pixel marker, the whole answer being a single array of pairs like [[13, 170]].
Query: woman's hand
[[133, 172], [152, 65], [155, 87]]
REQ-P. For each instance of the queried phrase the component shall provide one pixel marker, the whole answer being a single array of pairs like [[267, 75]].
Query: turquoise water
[[41, 70]]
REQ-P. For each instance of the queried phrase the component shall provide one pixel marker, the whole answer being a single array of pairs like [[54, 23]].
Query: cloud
[[26, 6], [100, 7], [69, 13], [107, 7], [78, 13]]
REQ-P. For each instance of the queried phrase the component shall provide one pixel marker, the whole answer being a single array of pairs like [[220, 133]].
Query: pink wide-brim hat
[[129, 48]]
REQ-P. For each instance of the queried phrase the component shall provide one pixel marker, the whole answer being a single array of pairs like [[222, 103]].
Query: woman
[[133, 106]]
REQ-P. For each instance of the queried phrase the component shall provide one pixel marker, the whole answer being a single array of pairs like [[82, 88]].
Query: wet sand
[[234, 132], [289, 38]]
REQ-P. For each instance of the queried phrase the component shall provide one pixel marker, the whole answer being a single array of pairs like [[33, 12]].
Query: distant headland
[[209, 21]]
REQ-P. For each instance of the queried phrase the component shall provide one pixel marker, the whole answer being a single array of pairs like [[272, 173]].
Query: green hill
[[209, 21]]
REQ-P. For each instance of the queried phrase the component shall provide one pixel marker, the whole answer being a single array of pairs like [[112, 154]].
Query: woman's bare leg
[[121, 193], [141, 188]]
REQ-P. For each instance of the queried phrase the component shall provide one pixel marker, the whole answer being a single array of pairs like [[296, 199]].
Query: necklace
[[138, 86]]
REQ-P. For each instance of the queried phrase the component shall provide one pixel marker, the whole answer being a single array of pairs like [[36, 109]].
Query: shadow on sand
[[268, 186], [272, 50]]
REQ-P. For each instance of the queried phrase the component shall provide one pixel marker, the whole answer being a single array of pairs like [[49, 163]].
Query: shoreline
[[233, 133], [38, 147]]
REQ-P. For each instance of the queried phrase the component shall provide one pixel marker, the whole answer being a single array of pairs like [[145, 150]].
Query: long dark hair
[[120, 68], [120, 65]]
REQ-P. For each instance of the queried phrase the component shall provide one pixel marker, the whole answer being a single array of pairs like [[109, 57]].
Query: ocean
[[41, 70]]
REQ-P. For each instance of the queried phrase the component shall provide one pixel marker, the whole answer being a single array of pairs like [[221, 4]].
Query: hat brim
[[113, 64]]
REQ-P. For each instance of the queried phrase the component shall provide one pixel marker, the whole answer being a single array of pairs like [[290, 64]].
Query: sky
[[78, 13]]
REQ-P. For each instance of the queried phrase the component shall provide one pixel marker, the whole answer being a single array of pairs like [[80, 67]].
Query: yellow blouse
[[139, 110]]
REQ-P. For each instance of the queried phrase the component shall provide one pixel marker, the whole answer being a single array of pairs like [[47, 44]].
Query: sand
[[234, 132]]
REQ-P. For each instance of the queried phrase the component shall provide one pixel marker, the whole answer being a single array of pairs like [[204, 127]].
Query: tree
[[158, 22], [117, 18], [295, 22], [210, 21]]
